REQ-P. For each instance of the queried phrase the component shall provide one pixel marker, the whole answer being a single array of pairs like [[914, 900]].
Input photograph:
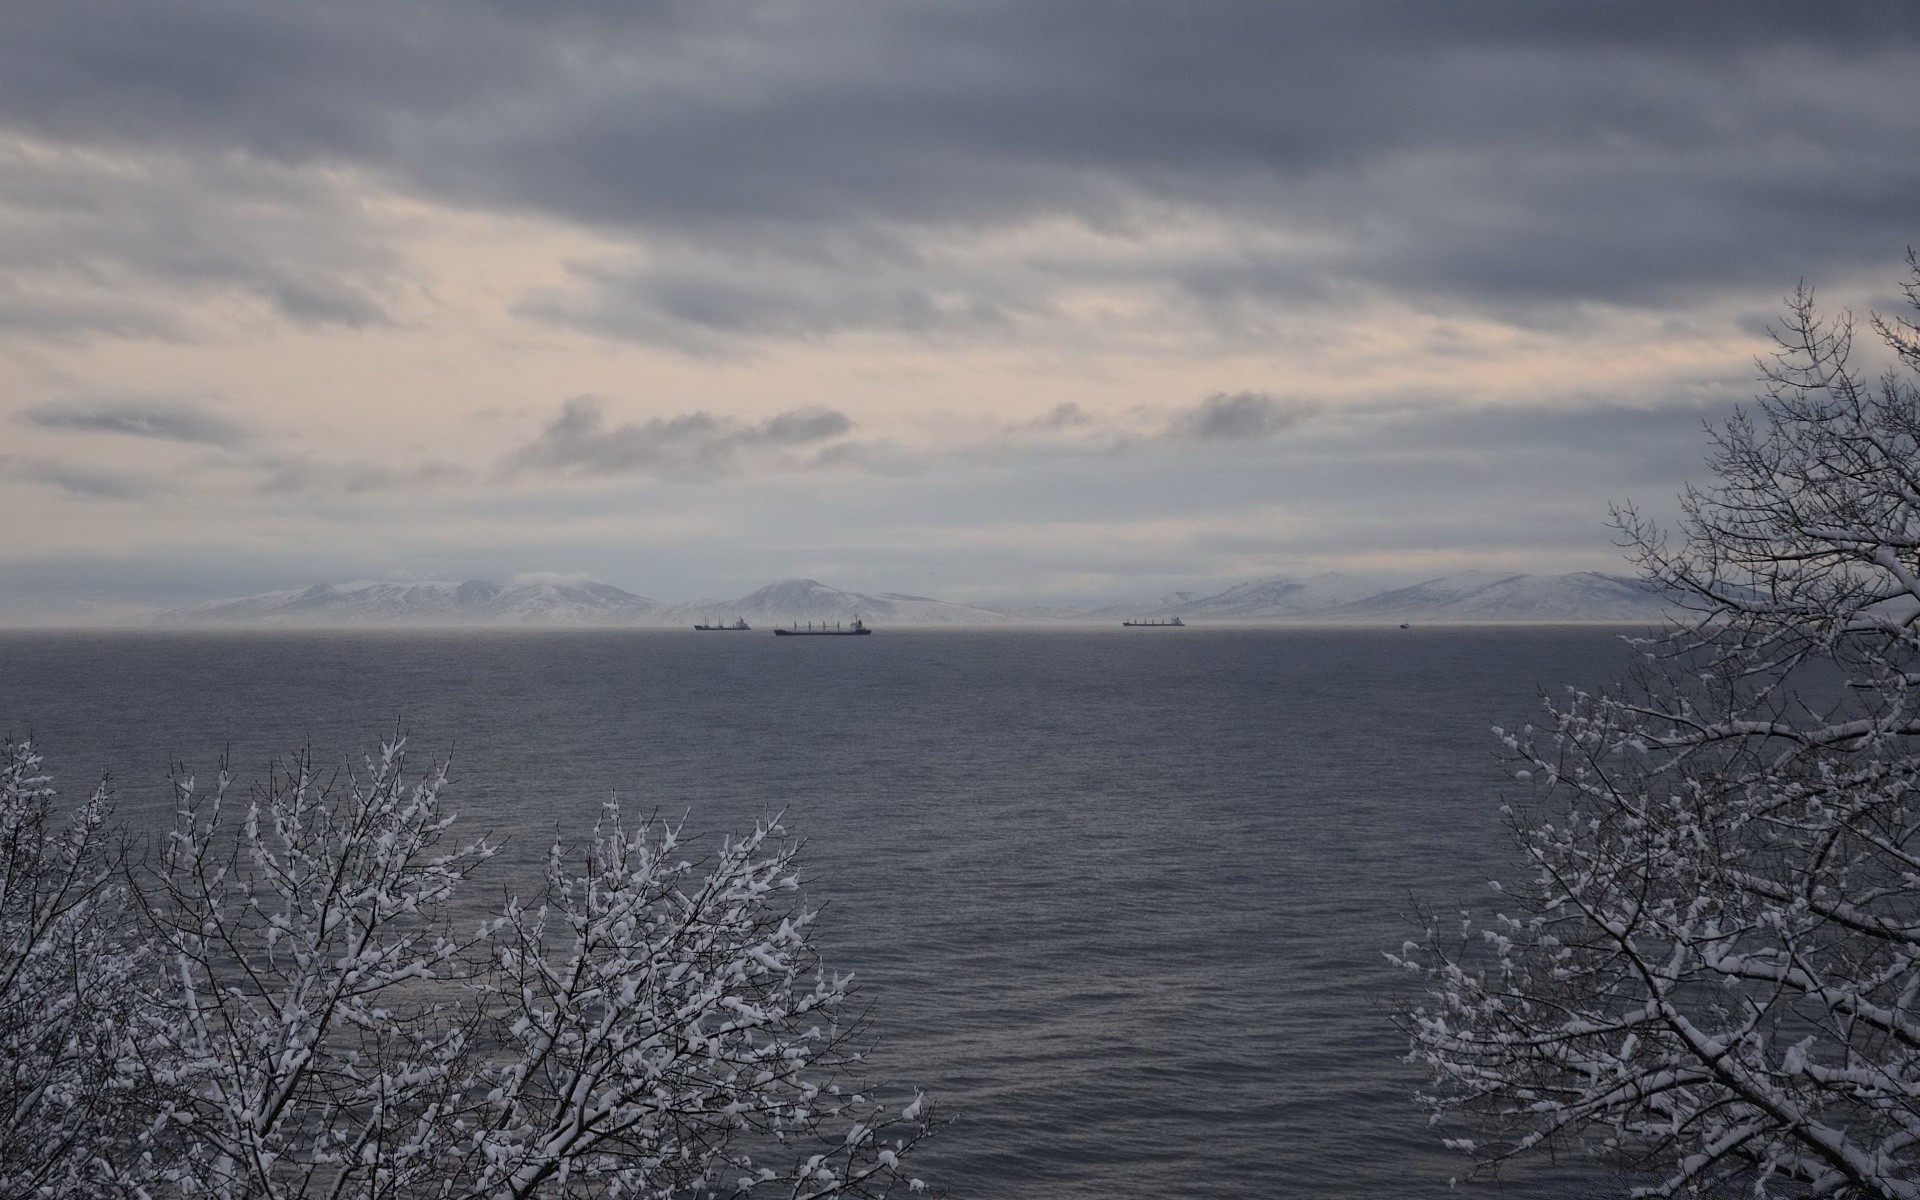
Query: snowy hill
[[1462, 596], [1485, 596], [1272, 597], [473, 602], [810, 600], [1465, 596], [1284, 596]]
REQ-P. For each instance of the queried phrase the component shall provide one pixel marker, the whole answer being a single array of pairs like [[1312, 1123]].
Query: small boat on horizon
[[737, 627], [857, 629], [1154, 623]]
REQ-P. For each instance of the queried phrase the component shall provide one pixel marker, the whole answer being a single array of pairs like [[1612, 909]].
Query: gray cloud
[[879, 456], [1434, 483], [1068, 415], [308, 476], [1431, 481], [798, 425], [696, 445], [1241, 416], [87, 237], [84, 482], [1496, 155], [711, 298], [1120, 174], [174, 421], [43, 315]]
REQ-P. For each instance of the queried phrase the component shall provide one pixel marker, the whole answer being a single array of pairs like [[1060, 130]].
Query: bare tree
[[67, 987], [298, 1044], [299, 1002], [665, 1029], [1712, 971]]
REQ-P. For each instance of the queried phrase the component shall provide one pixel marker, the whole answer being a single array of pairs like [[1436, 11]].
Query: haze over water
[[1118, 898]]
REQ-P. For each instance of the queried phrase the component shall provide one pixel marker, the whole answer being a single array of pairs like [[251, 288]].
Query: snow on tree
[[67, 986], [1712, 971], [313, 1008], [297, 1045], [669, 1030]]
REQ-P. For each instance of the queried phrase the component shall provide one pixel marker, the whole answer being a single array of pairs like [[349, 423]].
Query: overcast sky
[[971, 298]]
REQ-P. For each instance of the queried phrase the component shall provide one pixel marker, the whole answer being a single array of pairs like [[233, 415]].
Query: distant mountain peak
[[1473, 595], [1492, 596], [368, 602], [1276, 596], [549, 600], [810, 600]]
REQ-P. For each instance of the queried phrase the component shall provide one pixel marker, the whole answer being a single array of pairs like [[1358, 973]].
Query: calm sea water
[[1118, 898]]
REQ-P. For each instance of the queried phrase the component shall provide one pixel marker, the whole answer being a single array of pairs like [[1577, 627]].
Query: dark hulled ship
[[857, 629]]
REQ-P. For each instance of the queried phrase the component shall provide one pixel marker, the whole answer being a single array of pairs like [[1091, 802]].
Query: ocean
[[1118, 898]]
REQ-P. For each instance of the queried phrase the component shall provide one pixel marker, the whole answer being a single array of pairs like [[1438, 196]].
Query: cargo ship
[[857, 629], [736, 627], [1155, 623]]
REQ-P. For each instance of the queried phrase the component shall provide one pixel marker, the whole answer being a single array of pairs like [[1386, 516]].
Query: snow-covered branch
[[306, 1039], [665, 1029], [1712, 969], [68, 987], [292, 998]]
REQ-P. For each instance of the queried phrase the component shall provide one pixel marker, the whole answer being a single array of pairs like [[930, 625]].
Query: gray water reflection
[[1119, 898]]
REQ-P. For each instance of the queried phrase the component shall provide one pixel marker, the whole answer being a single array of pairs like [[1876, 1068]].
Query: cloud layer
[[1241, 416], [165, 420], [795, 171], [695, 445], [971, 291]]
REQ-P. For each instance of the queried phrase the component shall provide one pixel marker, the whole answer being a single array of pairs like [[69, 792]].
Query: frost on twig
[[667, 1030], [289, 1000], [1712, 971], [67, 987], [306, 1038]]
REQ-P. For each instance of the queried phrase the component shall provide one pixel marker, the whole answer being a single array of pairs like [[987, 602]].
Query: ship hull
[[821, 632]]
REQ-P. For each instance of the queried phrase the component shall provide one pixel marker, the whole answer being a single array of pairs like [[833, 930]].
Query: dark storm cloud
[[696, 445], [173, 421], [1497, 154]]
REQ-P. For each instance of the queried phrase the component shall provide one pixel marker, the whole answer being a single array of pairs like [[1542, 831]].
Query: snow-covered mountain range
[[477, 602], [1460, 597], [1482, 596], [810, 600], [1276, 596], [473, 602]]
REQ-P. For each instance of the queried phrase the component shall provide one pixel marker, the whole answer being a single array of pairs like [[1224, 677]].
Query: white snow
[[810, 600], [471, 602], [548, 600]]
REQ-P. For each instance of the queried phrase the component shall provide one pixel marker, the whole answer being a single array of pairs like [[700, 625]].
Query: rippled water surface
[[1118, 897]]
